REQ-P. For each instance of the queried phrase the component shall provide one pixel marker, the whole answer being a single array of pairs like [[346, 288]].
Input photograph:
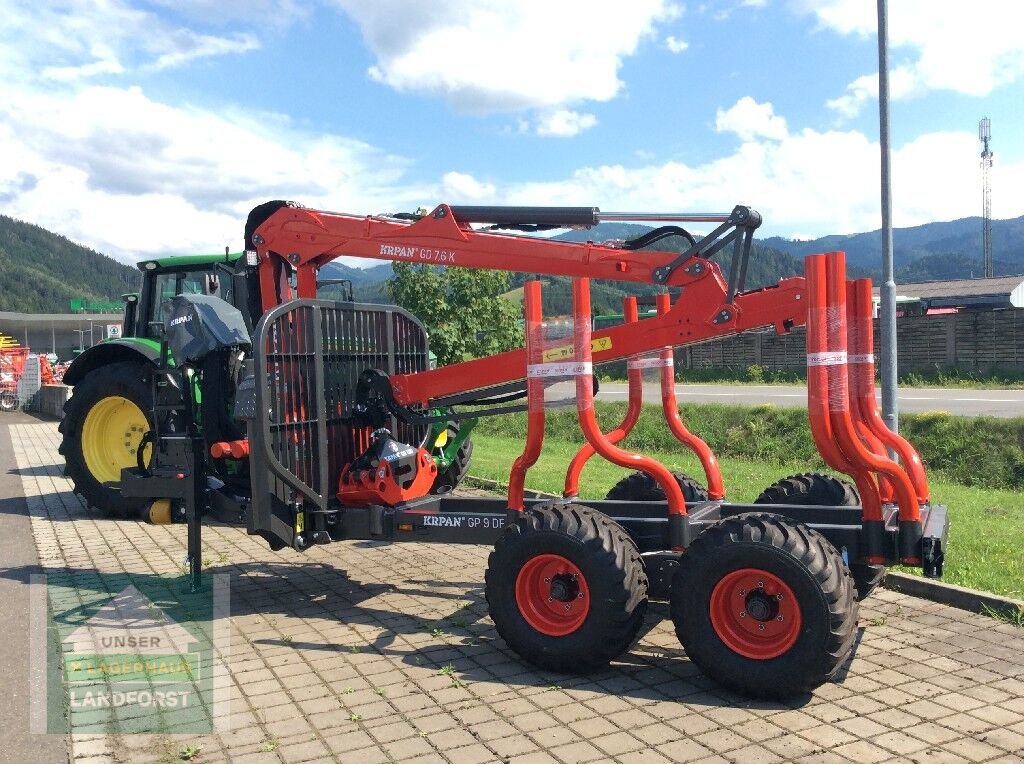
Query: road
[[962, 402]]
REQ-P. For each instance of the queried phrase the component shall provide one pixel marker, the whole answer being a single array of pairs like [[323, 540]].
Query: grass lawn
[[986, 546]]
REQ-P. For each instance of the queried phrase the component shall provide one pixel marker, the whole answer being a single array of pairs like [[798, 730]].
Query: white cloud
[[808, 183], [564, 123], [749, 119], [130, 176], [491, 56], [459, 187], [903, 83], [959, 47], [99, 37], [675, 45], [190, 47], [104, 62]]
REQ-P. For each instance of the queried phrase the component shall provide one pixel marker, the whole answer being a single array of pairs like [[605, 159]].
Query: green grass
[[987, 525], [975, 451]]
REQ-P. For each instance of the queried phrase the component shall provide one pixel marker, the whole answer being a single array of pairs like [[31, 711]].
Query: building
[[60, 333], [965, 294]]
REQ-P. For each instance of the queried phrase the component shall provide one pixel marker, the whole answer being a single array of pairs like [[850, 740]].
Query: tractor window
[[169, 285]]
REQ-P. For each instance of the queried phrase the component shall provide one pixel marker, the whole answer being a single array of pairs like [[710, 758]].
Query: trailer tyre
[[765, 606], [815, 488], [566, 588], [640, 486], [104, 421]]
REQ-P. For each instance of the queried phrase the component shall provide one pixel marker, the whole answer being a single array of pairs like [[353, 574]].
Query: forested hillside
[[41, 272], [930, 252]]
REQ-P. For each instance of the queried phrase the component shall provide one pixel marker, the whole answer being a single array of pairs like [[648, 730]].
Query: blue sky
[[151, 127]]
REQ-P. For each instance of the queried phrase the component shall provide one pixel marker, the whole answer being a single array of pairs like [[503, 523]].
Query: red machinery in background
[[12, 366]]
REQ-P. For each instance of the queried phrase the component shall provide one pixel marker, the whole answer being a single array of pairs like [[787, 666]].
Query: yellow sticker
[[300, 522], [562, 352]]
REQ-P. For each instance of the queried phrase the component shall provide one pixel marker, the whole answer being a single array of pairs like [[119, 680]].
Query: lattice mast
[[985, 136]]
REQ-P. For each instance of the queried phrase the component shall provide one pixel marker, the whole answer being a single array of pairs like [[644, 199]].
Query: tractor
[[252, 399], [110, 412]]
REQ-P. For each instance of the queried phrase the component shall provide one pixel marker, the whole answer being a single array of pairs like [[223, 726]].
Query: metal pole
[[887, 292]]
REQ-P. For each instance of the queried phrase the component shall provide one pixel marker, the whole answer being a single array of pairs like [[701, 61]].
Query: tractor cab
[[166, 278]]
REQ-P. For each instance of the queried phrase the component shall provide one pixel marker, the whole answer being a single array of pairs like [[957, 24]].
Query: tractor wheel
[[764, 606], [8, 401], [642, 487], [566, 588], [104, 420], [448, 479], [827, 491]]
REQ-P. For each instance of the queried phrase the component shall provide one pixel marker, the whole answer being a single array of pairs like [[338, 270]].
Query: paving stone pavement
[[369, 652]]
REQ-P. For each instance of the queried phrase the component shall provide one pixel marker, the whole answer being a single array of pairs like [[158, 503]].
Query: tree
[[462, 309]]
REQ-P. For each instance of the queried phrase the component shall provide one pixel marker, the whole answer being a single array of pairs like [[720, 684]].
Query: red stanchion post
[[634, 376]]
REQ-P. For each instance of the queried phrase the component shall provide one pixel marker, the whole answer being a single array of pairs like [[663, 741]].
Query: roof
[[177, 261], [1000, 292], [13, 322]]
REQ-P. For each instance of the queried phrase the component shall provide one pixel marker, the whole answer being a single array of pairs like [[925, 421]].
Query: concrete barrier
[[50, 400]]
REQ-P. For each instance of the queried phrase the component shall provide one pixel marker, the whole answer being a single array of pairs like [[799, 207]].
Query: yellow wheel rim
[[110, 437]]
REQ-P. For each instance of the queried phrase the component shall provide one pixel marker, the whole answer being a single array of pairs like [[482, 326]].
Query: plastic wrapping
[[558, 366]]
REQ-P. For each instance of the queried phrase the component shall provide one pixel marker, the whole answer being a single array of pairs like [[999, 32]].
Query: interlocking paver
[[337, 656]]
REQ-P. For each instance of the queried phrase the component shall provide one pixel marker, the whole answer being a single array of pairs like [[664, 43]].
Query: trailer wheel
[[104, 421], [640, 486], [829, 491], [566, 588], [764, 606], [8, 401]]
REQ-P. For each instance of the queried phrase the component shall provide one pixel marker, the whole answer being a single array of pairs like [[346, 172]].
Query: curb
[[955, 596], [960, 597]]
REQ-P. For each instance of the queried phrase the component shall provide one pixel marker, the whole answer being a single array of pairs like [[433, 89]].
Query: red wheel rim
[[552, 595], [755, 613]]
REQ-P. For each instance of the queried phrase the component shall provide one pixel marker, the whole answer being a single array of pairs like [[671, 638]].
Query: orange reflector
[[405, 526]]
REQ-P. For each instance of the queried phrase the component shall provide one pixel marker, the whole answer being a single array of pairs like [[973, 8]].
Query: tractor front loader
[[331, 406]]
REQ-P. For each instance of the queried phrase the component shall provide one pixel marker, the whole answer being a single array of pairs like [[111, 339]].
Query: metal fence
[[976, 342]]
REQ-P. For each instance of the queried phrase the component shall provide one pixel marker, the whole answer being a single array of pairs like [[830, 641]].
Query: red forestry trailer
[[327, 404]]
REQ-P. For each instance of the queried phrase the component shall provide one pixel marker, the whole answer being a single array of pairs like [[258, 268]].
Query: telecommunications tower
[[985, 135]]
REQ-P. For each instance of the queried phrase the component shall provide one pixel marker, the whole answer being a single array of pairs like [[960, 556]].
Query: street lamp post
[[887, 291]]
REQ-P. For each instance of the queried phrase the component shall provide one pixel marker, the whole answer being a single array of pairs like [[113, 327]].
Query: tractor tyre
[[640, 486], [815, 488], [448, 479], [566, 588], [104, 421], [764, 606], [8, 401]]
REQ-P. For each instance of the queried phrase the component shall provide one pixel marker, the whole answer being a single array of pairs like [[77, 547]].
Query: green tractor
[[108, 418]]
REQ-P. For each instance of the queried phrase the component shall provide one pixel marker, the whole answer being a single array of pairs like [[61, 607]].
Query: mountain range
[[41, 271]]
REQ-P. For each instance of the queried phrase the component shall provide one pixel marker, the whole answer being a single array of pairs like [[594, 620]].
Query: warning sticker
[[567, 351]]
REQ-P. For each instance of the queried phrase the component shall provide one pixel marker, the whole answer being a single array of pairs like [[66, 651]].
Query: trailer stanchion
[[532, 308], [862, 380], [634, 405], [842, 424], [708, 461], [818, 356], [592, 431]]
